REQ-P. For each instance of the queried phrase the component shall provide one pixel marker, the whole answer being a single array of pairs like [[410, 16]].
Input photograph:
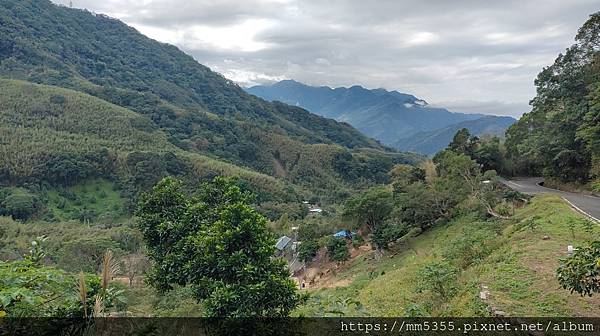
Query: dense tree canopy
[[369, 209], [559, 137], [174, 98], [218, 245]]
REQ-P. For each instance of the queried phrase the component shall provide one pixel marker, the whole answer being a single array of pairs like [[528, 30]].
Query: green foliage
[[531, 223], [370, 208], [588, 226], [69, 245], [19, 204], [94, 201], [337, 249], [464, 143], [438, 277], [332, 306], [217, 244], [559, 137], [489, 154], [308, 250], [404, 175], [85, 253], [36, 252], [170, 100], [580, 272], [470, 247], [28, 290], [388, 232]]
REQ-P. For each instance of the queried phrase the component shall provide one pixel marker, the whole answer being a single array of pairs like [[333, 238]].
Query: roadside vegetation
[[443, 271]]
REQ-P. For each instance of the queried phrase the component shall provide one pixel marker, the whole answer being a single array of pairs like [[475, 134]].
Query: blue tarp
[[344, 234]]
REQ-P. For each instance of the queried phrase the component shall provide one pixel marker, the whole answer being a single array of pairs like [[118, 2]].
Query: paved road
[[589, 205]]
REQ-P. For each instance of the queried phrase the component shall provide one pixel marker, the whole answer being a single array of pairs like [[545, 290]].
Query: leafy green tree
[[489, 155], [416, 206], [308, 250], [370, 208], [337, 249], [513, 197], [387, 232], [580, 272], [464, 143], [20, 205], [217, 244], [403, 175]]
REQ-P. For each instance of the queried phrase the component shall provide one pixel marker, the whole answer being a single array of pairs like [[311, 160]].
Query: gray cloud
[[468, 55]]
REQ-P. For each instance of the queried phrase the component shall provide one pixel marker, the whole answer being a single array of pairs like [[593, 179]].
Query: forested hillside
[[94, 114], [197, 109], [560, 137], [399, 120], [430, 142]]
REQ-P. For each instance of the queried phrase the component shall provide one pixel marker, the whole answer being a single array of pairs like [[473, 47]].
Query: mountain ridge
[[387, 116], [428, 142], [198, 110]]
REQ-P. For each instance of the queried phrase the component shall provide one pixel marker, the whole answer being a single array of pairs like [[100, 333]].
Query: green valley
[[137, 182]]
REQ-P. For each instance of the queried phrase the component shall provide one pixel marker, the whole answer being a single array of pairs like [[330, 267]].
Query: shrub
[[439, 278], [337, 249], [580, 272], [20, 206], [470, 247]]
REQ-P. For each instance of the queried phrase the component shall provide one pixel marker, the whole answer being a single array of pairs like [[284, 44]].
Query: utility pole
[[71, 4]]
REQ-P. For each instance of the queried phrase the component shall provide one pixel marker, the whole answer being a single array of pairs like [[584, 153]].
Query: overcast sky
[[466, 55]]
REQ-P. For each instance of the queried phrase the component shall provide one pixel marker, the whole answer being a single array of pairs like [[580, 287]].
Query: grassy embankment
[[515, 259]]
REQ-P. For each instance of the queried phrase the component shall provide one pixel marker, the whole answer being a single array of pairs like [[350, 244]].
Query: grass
[[518, 267], [90, 199]]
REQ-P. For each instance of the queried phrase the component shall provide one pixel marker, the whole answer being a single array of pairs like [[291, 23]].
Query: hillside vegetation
[[53, 137], [431, 142], [559, 138], [198, 110], [136, 182], [515, 260]]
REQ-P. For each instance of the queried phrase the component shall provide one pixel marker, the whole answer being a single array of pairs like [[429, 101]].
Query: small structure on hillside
[[287, 249], [283, 245], [344, 234]]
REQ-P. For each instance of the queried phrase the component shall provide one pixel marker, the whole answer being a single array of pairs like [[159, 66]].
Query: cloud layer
[[468, 55]]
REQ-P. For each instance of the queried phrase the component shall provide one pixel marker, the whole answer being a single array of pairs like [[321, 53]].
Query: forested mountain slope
[[432, 141], [61, 137], [197, 110], [560, 137], [387, 116]]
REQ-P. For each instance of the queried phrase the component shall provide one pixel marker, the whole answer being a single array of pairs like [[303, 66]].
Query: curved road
[[588, 205]]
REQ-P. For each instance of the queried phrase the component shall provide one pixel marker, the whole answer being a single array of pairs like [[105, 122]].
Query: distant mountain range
[[432, 141], [396, 119]]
